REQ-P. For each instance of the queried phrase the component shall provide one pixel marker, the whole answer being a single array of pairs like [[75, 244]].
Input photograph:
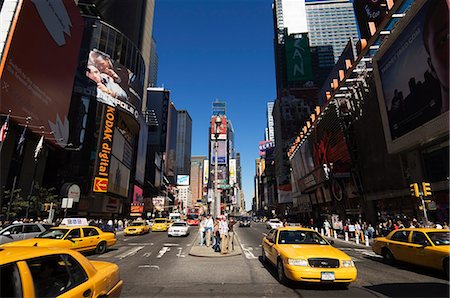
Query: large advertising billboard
[[205, 172], [119, 178], [183, 180], [221, 152], [298, 59], [412, 77], [138, 195], [38, 68], [222, 129], [141, 156], [369, 11], [232, 172], [265, 146]]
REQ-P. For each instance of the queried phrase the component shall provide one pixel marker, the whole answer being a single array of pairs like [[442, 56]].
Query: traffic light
[[426, 189], [414, 188]]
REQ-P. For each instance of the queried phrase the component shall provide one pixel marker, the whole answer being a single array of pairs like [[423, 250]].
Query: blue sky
[[219, 49]]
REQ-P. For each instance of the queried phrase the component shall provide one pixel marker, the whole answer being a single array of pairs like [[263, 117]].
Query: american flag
[[4, 130]]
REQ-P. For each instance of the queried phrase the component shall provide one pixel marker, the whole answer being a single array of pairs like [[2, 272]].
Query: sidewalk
[[208, 252]]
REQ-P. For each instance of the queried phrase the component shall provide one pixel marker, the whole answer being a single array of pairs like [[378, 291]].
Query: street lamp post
[[216, 199]]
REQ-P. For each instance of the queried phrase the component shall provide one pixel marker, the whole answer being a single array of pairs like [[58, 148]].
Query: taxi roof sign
[[74, 222]]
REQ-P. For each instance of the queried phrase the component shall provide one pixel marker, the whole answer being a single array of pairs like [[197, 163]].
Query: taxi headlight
[[297, 262], [348, 263]]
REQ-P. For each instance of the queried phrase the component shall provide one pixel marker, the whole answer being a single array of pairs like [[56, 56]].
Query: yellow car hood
[[306, 251], [40, 242], [134, 228], [441, 248]]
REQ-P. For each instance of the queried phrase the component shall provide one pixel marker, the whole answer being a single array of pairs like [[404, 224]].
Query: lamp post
[[216, 199]]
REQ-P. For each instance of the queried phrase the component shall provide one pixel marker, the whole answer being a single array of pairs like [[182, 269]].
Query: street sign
[[100, 184], [225, 186], [67, 203]]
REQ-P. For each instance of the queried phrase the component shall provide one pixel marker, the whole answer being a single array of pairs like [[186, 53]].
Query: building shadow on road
[[301, 285], [413, 268], [411, 289]]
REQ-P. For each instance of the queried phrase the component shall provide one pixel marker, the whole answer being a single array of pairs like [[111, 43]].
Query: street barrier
[[335, 234], [346, 236], [367, 241], [357, 239], [321, 232]]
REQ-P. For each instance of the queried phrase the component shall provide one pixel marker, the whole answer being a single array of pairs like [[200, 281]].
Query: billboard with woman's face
[[412, 77]]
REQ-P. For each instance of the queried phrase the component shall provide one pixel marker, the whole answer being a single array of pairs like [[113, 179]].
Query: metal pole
[[216, 195], [424, 211]]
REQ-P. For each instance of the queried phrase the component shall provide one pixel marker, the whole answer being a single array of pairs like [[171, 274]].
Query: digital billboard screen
[[183, 180], [412, 77]]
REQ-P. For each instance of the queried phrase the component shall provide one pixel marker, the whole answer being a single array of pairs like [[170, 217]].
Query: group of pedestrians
[[217, 234]]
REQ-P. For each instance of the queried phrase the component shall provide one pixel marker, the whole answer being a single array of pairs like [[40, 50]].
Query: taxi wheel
[[280, 269], [446, 268], [101, 248], [388, 257]]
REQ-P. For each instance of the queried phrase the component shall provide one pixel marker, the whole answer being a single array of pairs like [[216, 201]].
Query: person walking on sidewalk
[[231, 223], [201, 230], [208, 229], [223, 230], [216, 245]]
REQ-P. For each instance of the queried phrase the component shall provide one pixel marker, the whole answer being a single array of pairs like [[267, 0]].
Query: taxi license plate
[[327, 276]]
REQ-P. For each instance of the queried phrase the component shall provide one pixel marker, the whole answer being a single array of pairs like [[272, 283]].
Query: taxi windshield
[[53, 234], [137, 224], [440, 238], [160, 221], [300, 237]]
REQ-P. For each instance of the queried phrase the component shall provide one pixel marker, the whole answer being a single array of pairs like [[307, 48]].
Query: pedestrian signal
[[414, 188], [426, 189]]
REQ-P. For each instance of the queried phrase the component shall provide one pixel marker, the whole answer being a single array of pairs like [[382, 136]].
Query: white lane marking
[[171, 244], [131, 252], [248, 254], [137, 243], [147, 254], [180, 254], [149, 266], [371, 254], [114, 252], [162, 252]]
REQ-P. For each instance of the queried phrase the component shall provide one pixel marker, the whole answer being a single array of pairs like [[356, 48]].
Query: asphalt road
[[157, 265]]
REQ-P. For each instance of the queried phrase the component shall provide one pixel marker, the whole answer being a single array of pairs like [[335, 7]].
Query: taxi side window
[[88, 232], [75, 233], [419, 238], [271, 236], [31, 229], [401, 236], [55, 274], [11, 285]]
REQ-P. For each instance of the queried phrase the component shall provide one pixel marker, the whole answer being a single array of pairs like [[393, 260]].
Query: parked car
[[180, 228], [50, 272], [302, 254], [79, 238], [21, 231], [245, 221], [273, 223], [420, 246]]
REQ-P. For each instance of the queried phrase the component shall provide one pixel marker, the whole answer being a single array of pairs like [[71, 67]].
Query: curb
[[349, 242], [211, 254]]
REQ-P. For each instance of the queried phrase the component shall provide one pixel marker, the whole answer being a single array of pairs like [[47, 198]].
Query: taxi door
[[91, 237], [398, 245], [78, 242], [418, 250], [269, 243]]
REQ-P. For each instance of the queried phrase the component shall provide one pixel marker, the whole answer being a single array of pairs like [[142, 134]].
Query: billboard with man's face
[[412, 77]]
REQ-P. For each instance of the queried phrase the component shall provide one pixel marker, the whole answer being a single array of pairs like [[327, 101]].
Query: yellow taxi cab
[[420, 246], [137, 227], [302, 254], [161, 225], [55, 272], [79, 238]]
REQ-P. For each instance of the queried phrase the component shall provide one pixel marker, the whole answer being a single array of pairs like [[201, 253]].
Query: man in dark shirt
[[231, 223]]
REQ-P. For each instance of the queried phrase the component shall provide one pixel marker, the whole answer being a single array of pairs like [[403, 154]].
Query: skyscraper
[[331, 22], [184, 143], [196, 178], [219, 107]]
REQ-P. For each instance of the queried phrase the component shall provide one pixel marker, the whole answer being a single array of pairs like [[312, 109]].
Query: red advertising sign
[[137, 208], [100, 184], [38, 67], [137, 195], [222, 129]]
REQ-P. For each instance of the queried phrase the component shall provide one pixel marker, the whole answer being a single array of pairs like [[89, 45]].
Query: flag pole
[[37, 152]]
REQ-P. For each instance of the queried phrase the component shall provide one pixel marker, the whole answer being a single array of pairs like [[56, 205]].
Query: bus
[[193, 216]]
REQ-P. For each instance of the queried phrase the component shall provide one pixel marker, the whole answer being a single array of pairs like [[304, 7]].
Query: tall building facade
[[331, 22], [184, 142], [170, 153], [153, 69], [197, 179]]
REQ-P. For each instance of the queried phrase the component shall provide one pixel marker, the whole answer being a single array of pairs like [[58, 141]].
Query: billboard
[[369, 11], [39, 64], [221, 152], [222, 128], [141, 151], [137, 195], [232, 172], [183, 180], [412, 78], [158, 203], [113, 82], [205, 172], [119, 178], [103, 163], [298, 59], [265, 146]]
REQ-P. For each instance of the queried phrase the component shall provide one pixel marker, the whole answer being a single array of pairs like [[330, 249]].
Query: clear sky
[[219, 49]]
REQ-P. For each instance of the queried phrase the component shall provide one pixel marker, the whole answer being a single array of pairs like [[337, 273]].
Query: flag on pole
[[21, 143], [4, 129], [38, 149]]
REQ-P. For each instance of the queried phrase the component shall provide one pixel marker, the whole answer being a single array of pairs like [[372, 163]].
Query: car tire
[[101, 248], [388, 257], [446, 269], [280, 272]]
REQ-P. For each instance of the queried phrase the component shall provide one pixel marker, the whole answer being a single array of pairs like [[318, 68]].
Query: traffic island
[[208, 252]]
